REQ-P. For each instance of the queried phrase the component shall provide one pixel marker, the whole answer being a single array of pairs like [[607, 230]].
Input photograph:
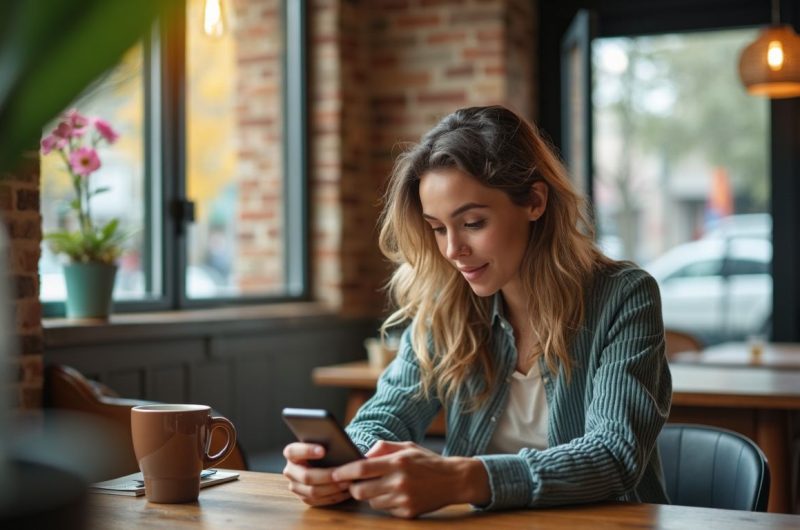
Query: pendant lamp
[[770, 65], [213, 19]]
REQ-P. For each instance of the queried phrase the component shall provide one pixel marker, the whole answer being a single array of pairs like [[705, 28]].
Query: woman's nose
[[456, 248]]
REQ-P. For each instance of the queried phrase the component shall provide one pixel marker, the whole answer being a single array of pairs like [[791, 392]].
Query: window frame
[[164, 124]]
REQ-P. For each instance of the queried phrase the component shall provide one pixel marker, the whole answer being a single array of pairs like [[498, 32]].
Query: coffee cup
[[379, 353], [171, 443]]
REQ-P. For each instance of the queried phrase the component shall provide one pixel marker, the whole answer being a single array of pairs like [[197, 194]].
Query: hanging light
[[213, 22], [770, 65]]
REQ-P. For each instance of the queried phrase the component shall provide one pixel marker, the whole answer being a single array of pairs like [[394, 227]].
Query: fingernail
[[318, 450]]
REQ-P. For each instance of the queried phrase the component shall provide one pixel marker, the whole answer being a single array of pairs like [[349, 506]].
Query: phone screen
[[320, 427]]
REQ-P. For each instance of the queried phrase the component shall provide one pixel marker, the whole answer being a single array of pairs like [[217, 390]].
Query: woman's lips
[[473, 273]]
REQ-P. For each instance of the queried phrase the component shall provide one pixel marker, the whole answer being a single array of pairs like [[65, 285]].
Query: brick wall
[[258, 40], [384, 72], [19, 211]]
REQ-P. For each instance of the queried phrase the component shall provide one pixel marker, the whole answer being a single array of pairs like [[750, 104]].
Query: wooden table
[[756, 402], [777, 355], [262, 500]]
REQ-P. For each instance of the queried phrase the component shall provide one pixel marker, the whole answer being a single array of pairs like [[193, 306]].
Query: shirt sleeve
[[629, 396], [398, 411]]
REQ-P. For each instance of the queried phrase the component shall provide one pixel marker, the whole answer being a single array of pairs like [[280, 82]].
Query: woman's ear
[[539, 191]]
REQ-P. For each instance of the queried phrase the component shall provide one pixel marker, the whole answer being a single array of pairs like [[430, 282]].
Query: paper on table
[[133, 484]]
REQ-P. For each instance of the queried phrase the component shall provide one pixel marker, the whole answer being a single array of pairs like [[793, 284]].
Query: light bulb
[[775, 55], [212, 18]]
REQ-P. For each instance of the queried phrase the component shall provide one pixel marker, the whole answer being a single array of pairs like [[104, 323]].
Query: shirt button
[[546, 380], [493, 419]]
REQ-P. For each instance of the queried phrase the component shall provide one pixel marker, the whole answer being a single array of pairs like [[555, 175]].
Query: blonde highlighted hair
[[450, 324]]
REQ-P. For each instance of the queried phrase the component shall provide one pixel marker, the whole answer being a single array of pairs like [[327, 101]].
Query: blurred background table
[[778, 355]]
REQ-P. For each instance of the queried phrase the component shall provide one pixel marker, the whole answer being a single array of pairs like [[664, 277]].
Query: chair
[[66, 388], [713, 468], [678, 341]]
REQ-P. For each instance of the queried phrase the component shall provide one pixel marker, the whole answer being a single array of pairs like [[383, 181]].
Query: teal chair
[[713, 468]]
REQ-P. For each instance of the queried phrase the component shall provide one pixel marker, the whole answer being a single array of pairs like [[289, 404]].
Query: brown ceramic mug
[[171, 443]]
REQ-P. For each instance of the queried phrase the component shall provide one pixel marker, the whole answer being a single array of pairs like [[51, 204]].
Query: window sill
[[59, 332]]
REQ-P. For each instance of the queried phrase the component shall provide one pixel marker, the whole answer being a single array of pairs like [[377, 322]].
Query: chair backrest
[[713, 468], [66, 388], [678, 341]]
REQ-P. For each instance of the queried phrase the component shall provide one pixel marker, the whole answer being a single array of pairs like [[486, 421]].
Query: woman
[[547, 356]]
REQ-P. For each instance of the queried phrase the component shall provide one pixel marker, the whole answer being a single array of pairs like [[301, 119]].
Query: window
[[700, 269], [681, 167], [118, 98], [201, 170]]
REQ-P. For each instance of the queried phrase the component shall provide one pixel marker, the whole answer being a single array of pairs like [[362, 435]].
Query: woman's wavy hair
[[450, 325]]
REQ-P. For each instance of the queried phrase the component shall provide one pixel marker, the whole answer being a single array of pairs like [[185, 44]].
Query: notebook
[[133, 484]]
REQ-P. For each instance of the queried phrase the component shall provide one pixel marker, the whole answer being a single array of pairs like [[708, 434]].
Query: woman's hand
[[314, 485], [407, 480]]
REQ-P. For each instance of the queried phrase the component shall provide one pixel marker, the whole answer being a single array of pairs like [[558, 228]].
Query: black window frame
[[167, 208]]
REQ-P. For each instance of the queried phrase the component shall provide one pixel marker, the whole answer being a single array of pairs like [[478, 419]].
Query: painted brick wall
[[19, 212], [384, 72]]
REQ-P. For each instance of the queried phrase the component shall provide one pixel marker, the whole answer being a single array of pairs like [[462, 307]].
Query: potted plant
[[91, 248]]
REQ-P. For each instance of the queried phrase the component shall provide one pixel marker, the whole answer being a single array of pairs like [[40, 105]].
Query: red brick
[[454, 97], [474, 16], [464, 70], [451, 3], [25, 228], [31, 344], [5, 197], [495, 71], [389, 5], [416, 21], [447, 37], [28, 199], [29, 314], [470, 54], [25, 286]]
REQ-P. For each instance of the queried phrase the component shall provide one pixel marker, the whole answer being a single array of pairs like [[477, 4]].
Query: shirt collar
[[497, 307]]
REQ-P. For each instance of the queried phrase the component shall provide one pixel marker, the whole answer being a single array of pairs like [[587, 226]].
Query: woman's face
[[478, 229]]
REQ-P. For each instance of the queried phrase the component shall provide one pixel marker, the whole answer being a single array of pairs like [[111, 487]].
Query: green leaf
[[98, 191], [51, 50]]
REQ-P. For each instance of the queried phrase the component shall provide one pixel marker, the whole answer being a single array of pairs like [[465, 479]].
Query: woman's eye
[[439, 229], [476, 224]]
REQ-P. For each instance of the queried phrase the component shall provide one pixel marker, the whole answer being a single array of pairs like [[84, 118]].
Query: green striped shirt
[[603, 424]]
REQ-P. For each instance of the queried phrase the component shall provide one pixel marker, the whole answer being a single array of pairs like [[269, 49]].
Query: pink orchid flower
[[77, 121], [105, 130], [49, 143], [63, 131], [84, 161]]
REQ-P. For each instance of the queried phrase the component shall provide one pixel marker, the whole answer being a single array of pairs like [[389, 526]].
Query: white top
[[524, 421]]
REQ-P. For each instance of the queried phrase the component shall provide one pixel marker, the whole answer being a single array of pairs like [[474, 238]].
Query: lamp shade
[[770, 65]]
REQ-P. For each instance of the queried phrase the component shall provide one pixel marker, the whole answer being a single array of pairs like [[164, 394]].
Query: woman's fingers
[[298, 452], [382, 448], [311, 476], [325, 501], [321, 491]]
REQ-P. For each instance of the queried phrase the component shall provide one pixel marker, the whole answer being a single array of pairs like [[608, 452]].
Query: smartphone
[[320, 427]]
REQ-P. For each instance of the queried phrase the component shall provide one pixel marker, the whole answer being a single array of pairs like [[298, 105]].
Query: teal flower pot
[[89, 288]]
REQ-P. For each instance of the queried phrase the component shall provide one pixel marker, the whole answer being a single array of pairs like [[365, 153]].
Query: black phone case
[[319, 426]]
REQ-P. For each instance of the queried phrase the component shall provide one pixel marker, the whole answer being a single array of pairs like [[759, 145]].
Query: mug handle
[[218, 422]]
